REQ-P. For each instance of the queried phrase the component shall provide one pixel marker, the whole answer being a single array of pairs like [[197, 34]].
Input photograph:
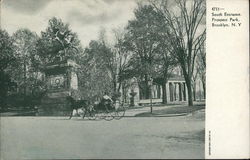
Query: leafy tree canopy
[[6, 49]]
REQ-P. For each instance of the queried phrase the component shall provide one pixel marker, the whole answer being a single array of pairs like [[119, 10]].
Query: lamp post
[[200, 89], [150, 86]]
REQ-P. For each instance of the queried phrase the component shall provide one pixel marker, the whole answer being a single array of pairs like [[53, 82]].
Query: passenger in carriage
[[106, 100]]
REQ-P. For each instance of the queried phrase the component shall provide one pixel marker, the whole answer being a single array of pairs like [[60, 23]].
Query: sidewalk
[[168, 110], [22, 113]]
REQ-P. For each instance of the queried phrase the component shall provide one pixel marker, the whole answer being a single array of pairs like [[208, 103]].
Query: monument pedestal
[[54, 106], [61, 79]]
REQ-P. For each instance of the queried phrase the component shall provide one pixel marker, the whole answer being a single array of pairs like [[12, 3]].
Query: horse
[[77, 104]]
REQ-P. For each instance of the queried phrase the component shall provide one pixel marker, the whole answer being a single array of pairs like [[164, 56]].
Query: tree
[[147, 39], [122, 58], [194, 80], [165, 64], [58, 41], [164, 61], [105, 64], [95, 78], [201, 66], [24, 44], [108, 59], [7, 59], [185, 33], [142, 39]]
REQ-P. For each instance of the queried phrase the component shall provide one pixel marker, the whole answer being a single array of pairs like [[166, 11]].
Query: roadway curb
[[162, 115]]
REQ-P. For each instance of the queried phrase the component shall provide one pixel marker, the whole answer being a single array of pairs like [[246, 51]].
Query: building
[[176, 90]]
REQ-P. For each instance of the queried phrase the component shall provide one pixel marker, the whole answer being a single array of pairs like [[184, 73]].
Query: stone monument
[[61, 80]]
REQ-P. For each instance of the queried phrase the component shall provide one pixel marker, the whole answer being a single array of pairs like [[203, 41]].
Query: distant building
[[176, 90]]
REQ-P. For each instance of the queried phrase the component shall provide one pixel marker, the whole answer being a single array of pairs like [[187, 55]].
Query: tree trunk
[[189, 88], [148, 91], [114, 85], [164, 93], [119, 87], [124, 93], [194, 91], [147, 88], [188, 81], [25, 77], [204, 88]]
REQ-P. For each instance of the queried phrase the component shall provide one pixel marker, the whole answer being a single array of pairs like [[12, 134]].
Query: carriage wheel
[[100, 114], [109, 114], [119, 112], [91, 115], [83, 114]]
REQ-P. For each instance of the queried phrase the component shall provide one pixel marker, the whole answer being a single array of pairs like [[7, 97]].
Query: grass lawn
[[173, 110]]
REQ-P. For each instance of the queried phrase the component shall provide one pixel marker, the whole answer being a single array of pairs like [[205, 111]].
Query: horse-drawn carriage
[[101, 110]]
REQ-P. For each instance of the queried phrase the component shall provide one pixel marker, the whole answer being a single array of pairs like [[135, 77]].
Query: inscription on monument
[[57, 82]]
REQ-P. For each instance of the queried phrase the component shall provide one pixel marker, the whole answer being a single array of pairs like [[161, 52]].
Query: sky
[[85, 17]]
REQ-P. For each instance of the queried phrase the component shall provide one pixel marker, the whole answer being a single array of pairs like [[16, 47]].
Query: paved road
[[130, 137]]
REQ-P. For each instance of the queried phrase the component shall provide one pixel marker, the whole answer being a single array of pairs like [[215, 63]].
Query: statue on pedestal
[[61, 81]]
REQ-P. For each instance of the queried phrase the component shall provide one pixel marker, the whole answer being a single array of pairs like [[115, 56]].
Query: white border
[[227, 105]]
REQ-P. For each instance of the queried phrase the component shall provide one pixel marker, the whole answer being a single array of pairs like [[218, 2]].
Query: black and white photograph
[[102, 79]]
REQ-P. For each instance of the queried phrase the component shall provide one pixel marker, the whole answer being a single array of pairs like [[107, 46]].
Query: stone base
[[54, 107]]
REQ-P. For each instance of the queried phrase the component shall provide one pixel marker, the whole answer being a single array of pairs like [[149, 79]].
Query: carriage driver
[[106, 100]]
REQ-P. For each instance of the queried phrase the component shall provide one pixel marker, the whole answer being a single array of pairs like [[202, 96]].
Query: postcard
[[115, 79]]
